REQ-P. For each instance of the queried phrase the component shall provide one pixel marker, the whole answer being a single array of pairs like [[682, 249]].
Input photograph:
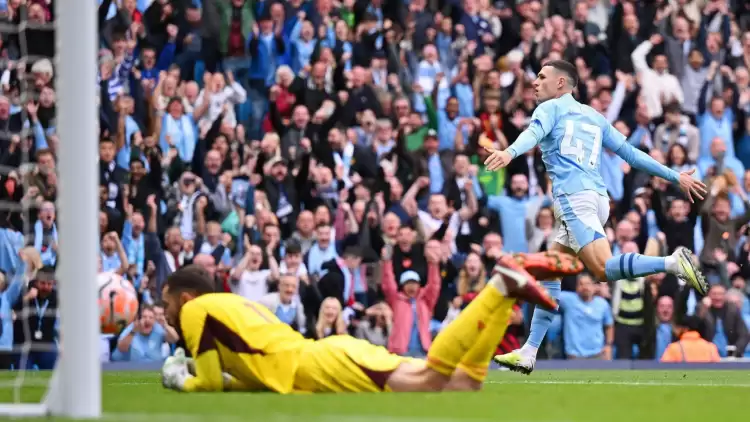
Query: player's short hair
[[566, 68], [191, 278]]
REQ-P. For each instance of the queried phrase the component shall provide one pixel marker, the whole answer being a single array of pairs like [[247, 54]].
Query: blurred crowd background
[[321, 157]]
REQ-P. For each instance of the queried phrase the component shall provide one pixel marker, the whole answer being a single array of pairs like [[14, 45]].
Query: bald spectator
[[286, 304], [720, 161], [624, 232], [664, 320], [305, 233], [206, 261]]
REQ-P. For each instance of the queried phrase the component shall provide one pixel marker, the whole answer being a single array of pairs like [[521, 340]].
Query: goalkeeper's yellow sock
[[477, 360], [458, 337]]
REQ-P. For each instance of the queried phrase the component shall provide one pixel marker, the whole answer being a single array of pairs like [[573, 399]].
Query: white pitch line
[[625, 383], [171, 417], [167, 417]]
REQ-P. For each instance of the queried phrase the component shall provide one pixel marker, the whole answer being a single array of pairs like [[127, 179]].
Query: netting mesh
[[28, 242]]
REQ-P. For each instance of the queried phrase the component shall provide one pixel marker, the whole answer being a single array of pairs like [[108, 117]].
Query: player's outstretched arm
[[528, 139], [638, 159], [542, 121]]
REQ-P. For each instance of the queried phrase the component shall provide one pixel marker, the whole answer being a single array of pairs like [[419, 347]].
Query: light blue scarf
[[49, 256]]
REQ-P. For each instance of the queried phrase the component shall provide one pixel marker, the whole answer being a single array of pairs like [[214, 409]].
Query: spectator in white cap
[[412, 304]]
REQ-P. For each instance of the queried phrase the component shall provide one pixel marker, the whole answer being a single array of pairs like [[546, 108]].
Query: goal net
[[49, 316]]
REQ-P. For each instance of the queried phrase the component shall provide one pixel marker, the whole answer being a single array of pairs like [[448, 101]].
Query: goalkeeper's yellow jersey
[[228, 333]]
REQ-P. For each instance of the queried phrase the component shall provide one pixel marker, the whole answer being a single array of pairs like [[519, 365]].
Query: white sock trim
[[529, 350], [671, 264]]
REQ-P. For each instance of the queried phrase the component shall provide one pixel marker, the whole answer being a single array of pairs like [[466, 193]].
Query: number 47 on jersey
[[580, 138]]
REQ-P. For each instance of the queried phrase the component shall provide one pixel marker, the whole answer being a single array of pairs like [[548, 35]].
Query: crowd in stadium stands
[[321, 157]]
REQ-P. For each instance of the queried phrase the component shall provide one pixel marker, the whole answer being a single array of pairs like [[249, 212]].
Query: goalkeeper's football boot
[[688, 271], [522, 285], [516, 361], [550, 265]]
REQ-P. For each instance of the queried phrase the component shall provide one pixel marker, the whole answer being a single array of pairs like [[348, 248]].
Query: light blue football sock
[[542, 318], [633, 265]]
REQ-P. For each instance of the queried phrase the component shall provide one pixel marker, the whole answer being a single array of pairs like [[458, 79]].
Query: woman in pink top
[[412, 300]]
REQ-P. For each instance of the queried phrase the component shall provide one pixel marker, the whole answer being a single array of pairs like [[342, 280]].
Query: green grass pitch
[[554, 396]]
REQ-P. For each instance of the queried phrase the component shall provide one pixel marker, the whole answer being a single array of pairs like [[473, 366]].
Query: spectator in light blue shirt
[[112, 254], [134, 244], [303, 40], [512, 210], [463, 90], [664, 314], [143, 340], [449, 122], [586, 319], [11, 242], [11, 287]]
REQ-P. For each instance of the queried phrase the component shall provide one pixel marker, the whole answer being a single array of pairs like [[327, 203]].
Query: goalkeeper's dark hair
[[567, 68], [191, 278]]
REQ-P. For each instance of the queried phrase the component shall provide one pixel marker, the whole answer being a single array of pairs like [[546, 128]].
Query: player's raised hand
[[692, 186], [497, 159]]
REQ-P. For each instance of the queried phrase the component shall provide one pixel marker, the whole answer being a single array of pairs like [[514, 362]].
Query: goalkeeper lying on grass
[[239, 345]]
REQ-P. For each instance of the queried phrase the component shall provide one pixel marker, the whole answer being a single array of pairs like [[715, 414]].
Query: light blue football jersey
[[572, 136]]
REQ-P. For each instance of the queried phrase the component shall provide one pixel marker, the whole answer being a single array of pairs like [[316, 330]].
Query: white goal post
[[75, 388]]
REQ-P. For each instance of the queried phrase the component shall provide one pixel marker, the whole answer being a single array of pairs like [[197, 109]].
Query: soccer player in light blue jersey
[[571, 136]]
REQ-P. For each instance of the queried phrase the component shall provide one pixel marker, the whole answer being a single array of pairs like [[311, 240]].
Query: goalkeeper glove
[[175, 371], [178, 368]]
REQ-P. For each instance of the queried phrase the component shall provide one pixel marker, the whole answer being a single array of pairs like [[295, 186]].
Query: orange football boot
[[522, 285], [549, 265]]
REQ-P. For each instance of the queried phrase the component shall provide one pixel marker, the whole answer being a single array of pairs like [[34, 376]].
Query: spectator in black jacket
[[678, 220], [724, 325]]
